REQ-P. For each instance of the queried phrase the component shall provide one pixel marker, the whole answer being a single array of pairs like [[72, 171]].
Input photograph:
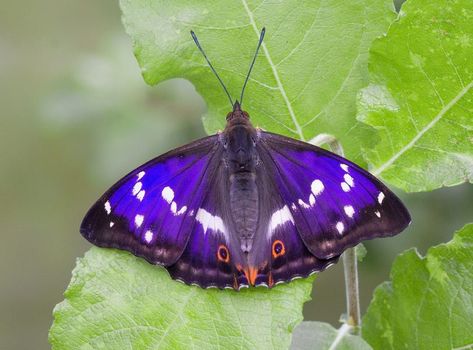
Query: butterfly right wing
[[335, 204], [212, 257], [151, 211], [279, 254]]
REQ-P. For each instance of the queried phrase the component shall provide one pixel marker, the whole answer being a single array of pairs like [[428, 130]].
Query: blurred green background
[[76, 116]]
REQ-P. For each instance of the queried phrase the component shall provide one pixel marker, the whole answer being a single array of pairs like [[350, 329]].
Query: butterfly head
[[237, 114]]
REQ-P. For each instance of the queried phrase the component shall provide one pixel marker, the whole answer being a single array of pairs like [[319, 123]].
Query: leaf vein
[[429, 126], [275, 73]]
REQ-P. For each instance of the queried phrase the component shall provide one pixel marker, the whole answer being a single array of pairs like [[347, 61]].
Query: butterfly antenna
[[211, 67], [261, 36]]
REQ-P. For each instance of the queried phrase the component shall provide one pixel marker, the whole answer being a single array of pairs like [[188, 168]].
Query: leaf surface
[[118, 301], [312, 63], [420, 97], [311, 335], [428, 303]]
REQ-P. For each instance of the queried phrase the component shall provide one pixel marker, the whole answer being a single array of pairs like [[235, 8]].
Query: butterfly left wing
[[151, 211], [334, 203], [212, 257]]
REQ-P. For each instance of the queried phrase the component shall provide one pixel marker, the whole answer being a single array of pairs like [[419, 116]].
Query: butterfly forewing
[[151, 211], [335, 203]]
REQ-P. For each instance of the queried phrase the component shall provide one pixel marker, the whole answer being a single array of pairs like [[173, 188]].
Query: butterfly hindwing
[[278, 254], [151, 211], [212, 257], [335, 203]]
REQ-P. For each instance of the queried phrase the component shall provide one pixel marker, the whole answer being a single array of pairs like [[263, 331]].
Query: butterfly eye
[[223, 254], [278, 248]]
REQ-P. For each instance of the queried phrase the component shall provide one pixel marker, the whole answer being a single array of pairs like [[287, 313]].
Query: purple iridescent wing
[[151, 211], [278, 254], [212, 257], [334, 203]]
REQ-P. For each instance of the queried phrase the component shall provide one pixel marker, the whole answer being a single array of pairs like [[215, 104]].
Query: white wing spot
[[380, 197], [344, 167], [111, 224], [317, 187], [139, 220], [182, 210], [167, 194], [191, 213], [215, 223], [107, 207], [141, 195], [303, 204], [294, 206], [345, 186], [311, 200], [148, 236], [340, 227], [174, 208], [137, 188], [378, 214], [349, 210], [279, 217], [140, 175], [349, 180]]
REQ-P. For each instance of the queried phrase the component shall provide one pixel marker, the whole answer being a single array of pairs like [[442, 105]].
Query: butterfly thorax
[[241, 160]]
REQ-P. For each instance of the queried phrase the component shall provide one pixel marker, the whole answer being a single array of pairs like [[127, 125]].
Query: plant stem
[[350, 266]]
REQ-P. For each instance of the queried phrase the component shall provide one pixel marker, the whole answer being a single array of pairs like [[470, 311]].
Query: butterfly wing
[[151, 211], [278, 253], [334, 203], [212, 257]]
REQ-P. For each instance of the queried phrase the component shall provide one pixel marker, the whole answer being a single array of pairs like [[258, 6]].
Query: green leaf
[[118, 301], [429, 303], [312, 63], [420, 97], [322, 336]]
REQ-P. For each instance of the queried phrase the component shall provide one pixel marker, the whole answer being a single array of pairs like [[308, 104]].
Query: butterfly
[[244, 207]]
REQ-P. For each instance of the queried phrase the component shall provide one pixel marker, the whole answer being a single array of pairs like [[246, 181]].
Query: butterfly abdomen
[[241, 158], [244, 206]]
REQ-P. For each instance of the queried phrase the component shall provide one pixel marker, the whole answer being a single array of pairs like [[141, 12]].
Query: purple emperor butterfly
[[244, 207]]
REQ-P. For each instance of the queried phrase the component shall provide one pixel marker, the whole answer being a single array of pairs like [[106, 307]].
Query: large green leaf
[[312, 63], [420, 97], [429, 303], [118, 301], [311, 335]]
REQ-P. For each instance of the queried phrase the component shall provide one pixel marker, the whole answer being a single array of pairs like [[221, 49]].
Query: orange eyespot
[[278, 248], [223, 254]]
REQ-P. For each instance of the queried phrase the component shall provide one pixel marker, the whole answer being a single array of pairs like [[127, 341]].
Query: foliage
[[420, 97], [318, 335], [311, 66], [118, 301], [428, 303]]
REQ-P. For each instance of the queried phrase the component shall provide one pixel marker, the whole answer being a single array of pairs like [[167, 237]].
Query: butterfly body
[[240, 161]]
